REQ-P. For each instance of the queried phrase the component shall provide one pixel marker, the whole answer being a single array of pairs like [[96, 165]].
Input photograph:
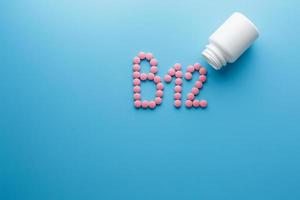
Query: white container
[[230, 40]]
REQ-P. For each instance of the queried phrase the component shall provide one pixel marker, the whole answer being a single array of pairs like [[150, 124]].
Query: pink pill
[[188, 103], [196, 66], [136, 81], [153, 69], [159, 93], [196, 103], [177, 96], [152, 104], [137, 104], [178, 81], [168, 78], [195, 90], [159, 86], [145, 104], [188, 76], [190, 96], [136, 89], [198, 84], [171, 72], [178, 74], [158, 100], [136, 67], [153, 62], [136, 74], [177, 66], [143, 76], [190, 69], [137, 96], [151, 76], [157, 79], [149, 56], [203, 103], [202, 71], [177, 103], [142, 55], [136, 60], [202, 78], [178, 88]]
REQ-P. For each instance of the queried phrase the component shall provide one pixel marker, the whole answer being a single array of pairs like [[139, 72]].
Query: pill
[[136, 60], [149, 56], [195, 90], [136, 74], [196, 103], [157, 79], [202, 78], [152, 104], [145, 104], [178, 81], [153, 69], [188, 103], [158, 100], [168, 78], [136, 81], [190, 69], [178, 88], [177, 103], [171, 72], [137, 104], [177, 66], [178, 74], [142, 55], [136, 67], [196, 66], [188, 76], [177, 96], [198, 84], [153, 62], [203, 103], [159, 86], [136, 89], [190, 96], [137, 96], [151, 76], [202, 71], [143, 76], [159, 93]]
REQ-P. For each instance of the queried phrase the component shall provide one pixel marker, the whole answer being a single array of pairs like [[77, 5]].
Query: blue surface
[[68, 129]]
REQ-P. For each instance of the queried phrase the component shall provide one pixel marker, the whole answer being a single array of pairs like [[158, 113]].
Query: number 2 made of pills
[[173, 73]]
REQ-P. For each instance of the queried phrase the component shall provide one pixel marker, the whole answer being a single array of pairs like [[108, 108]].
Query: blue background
[[68, 129]]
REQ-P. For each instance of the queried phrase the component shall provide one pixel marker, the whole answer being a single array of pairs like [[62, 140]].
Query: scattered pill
[[149, 56], [151, 76], [136, 74], [136, 89], [136, 81], [197, 66], [178, 74], [159, 86], [177, 96], [203, 103], [136, 67], [137, 104], [190, 69], [142, 55], [153, 69], [188, 103], [159, 93], [168, 78], [178, 88], [171, 72], [137, 96], [152, 104], [196, 103], [195, 90], [198, 84], [177, 66], [178, 81], [188, 76], [202, 78], [158, 100], [203, 71], [145, 104], [157, 79], [177, 103], [136, 60], [153, 62], [190, 96], [143, 76]]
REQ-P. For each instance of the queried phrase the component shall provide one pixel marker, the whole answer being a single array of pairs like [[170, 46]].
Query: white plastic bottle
[[230, 40]]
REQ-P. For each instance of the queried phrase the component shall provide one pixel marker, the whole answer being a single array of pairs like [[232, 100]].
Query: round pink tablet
[[143, 76], [197, 66], [137, 104], [153, 69], [151, 76], [171, 72], [136, 74], [159, 86], [136, 67], [198, 84], [177, 96], [190, 96], [177, 66], [202, 78], [178, 81], [188, 76], [195, 90], [202, 71], [203, 103], [196, 103], [190, 69], [157, 79], [137, 96], [149, 56], [178, 74], [142, 55], [168, 78], [136, 81], [188, 103], [136, 60], [152, 104], [177, 103], [145, 104], [178, 88], [136, 89], [159, 93], [158, 100], [153, 62]]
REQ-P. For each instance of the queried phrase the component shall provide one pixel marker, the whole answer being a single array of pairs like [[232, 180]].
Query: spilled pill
[[149, 56], [158, 100], [196, 103], [153, 69], [202, 78], [178, 81], [190, 69], [177, 66], [171, 72], [145, 104], [195, 90], [190, 96], [159, 86], [188, 75], [136, 74], [188, 103], [178, 74], [202, 71], [136, 81], [177, 96], [136, 60], [168, 78], [136, 67], [198, 84], [177, 103], [151, 76], [142, 55], [137, 96], [143, 76], [157, 79], [178, 88], [136, 89], [137, 104], [153, 62], [159, 93], [152, 104], [203, 103]]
